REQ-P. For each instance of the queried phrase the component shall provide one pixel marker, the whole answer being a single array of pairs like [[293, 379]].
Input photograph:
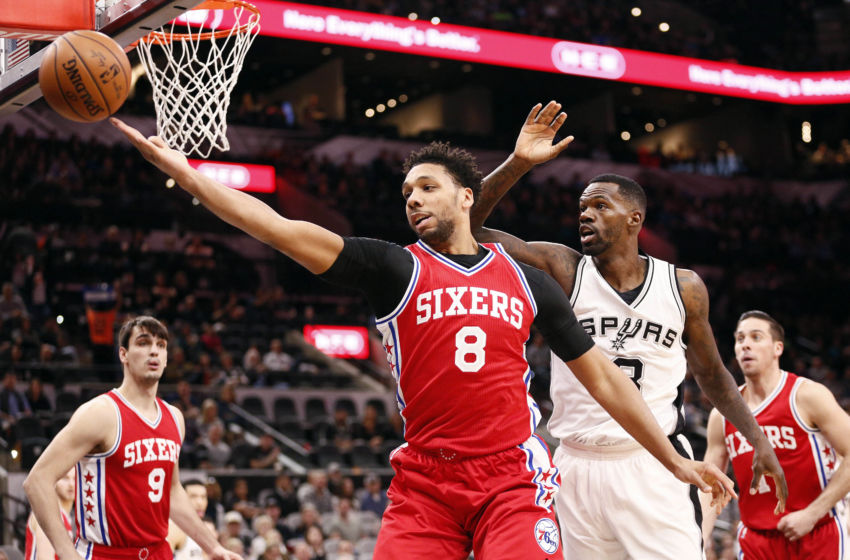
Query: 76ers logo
[[547, 536]]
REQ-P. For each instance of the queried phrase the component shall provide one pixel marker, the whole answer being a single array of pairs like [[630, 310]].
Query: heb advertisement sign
[[339, 341], [242, 176], [375, 31]]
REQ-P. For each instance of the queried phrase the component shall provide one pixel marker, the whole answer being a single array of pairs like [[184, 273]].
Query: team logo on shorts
[[546, 533]]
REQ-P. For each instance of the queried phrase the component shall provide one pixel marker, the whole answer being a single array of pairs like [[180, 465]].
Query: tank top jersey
[[30, 549], [123, 495], [643, 338], [189, 551], [456, 346], [806, 457]]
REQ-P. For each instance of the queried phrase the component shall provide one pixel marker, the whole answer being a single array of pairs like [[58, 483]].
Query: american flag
[[17, 50]]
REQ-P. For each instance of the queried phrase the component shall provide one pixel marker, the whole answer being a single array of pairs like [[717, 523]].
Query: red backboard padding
[[46, 16]]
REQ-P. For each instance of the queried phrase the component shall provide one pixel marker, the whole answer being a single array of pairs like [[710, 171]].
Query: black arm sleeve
[[379, 269], [555, 318]]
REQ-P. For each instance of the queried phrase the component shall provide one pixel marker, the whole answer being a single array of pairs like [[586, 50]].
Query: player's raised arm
[[719, 385], [310, 245], [84, 434], [715, 454], [819, 409], [533, 146]]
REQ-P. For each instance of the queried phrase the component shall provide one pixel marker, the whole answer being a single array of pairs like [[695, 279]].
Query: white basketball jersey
[[643, 338], [189, 551]]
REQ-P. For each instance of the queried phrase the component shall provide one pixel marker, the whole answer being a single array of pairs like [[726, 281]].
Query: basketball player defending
[[125, 444], [651, 319], [808, 430], [455, 316], [184, 547], [38, 546]]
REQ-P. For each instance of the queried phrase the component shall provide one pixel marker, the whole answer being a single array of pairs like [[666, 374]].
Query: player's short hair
[[459, 163], [146, 323], [194, 482], [776, 330], [628, 188]]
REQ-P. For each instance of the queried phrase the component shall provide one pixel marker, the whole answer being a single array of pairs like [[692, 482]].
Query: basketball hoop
[[192, 83]]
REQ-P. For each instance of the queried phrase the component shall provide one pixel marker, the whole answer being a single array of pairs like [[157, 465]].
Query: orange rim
[[160, 38]]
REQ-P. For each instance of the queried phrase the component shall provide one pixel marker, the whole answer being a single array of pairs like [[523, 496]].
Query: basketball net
[[193, 66]]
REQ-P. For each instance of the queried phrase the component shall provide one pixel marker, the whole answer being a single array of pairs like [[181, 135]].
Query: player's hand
[[221, 553], [155, 150], [765, 463], [534, 143], [797, 524], [709, 479]]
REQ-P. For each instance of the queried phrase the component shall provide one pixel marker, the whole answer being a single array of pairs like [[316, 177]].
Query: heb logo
[[588, 60], [547, 535]]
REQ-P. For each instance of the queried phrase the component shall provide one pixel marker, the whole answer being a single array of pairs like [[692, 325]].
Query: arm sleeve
[[555, 317], [379, 269]]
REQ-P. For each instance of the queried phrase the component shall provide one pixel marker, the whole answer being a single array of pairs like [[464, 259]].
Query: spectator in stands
[[239, 500], [232, 373], [185, 401], [315, 491], [316, 541], [13, 404], [227, 398], [271, 508], [37, 399], [370, 430], [349, 491], [265, 454], [344, 551], [215, 508], [179, 367], [341, 430], [274, 547], [335, 478], [302, 551], [277, 362], [217, 450], [11, 304], [209, 417], [234, 528], [373, 497], [309, 518], [345, 523], [260, 525], [285, 495]]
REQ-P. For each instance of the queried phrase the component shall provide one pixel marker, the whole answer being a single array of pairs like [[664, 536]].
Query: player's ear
[[778, 348], [635, 218], [122, 354], [468, 198]]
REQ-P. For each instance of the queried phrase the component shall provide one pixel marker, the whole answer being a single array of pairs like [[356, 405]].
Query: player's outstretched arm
[[719, 385], [311, 246], [620, 398], [92, 427], [715, 454], [817, 405], [533, 146]]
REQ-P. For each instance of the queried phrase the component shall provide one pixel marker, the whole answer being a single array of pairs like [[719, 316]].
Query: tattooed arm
[[533, 146], [719, 385]]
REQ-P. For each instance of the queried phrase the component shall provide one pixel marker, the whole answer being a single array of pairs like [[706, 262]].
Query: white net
[[193, 65]]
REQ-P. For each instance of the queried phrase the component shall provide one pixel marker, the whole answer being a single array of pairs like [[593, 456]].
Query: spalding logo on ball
[[84, 76]]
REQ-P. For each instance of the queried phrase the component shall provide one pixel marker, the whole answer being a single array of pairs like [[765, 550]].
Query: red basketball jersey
[[123, 495], [30, 549], [456, 345], [806, 457]]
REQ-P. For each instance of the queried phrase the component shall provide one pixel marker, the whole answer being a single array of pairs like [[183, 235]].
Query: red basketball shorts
[[824, 542], [500, 506]]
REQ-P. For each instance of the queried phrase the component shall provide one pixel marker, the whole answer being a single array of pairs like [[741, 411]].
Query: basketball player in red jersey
[[808, 430], [38, 546], [125, 446], [455, 316]]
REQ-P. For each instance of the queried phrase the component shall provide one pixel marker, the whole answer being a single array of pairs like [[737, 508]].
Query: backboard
[[123, 20]]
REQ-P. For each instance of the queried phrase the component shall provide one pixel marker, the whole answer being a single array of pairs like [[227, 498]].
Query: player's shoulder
[[811, 395]]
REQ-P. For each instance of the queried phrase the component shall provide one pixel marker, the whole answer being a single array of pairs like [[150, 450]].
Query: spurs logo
[[625, 333]]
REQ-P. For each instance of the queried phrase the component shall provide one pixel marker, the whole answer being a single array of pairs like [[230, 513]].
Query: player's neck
[[142, 397], [459, 244], [761, 385], [623, 268]]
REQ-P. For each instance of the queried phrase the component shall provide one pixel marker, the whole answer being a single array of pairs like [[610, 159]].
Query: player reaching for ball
[[454, 315], [125, 444]]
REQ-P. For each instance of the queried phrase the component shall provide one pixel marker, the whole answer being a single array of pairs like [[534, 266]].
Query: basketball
[[84, 76]]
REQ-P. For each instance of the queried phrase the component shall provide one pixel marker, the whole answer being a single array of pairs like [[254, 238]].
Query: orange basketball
[[84, 76]]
